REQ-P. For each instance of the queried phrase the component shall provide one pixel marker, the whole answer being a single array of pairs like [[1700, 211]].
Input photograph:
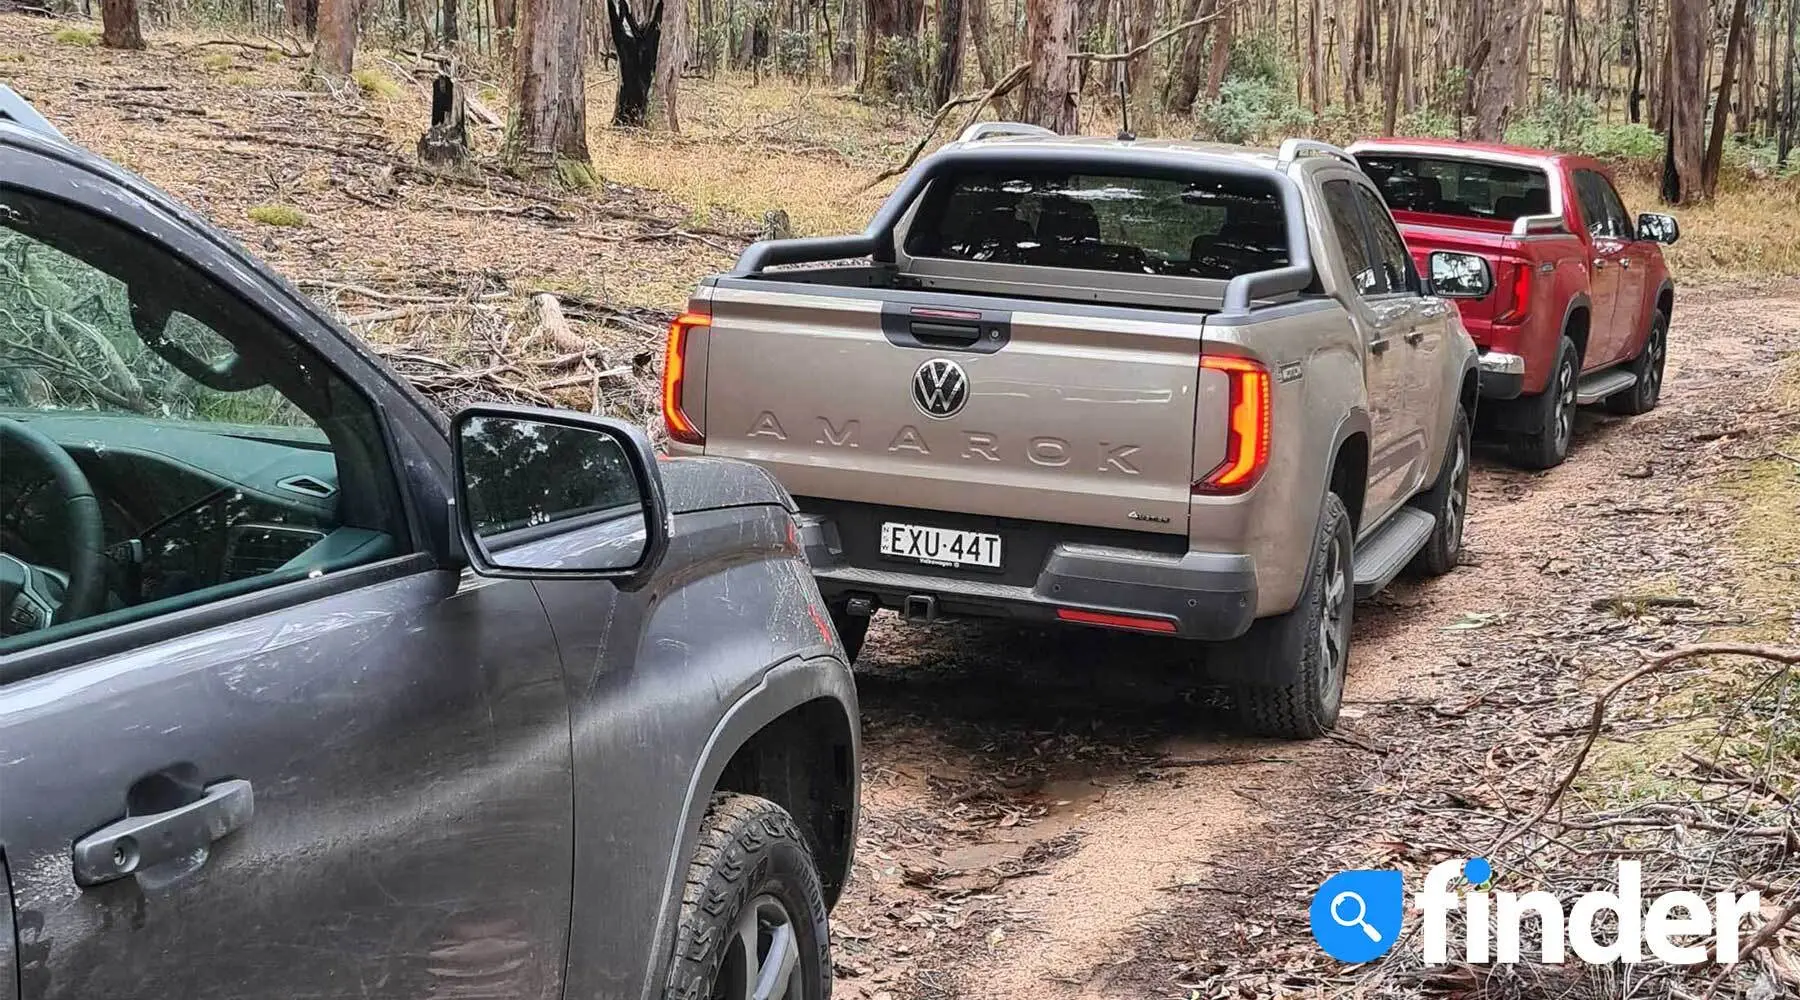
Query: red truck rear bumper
[[1502, 375]]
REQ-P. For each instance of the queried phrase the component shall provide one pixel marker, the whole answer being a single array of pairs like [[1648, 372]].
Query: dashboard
[[185, 505]]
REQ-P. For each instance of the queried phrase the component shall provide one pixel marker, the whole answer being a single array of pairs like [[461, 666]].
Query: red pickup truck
[[1581, 303]]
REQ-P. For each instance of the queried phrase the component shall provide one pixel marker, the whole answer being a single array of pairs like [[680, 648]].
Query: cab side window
[[222, 454], [1346, 223], [1601, 207], [1395, 267]]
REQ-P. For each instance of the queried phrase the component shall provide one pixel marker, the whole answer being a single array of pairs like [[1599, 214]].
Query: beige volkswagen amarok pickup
[[1159, 386]]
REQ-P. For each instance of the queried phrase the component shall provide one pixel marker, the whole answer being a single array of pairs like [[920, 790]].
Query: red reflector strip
[[1114, 621]]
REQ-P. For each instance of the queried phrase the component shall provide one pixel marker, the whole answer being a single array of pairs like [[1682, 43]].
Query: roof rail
[[13, 108], [982, 130], [1293, 149]]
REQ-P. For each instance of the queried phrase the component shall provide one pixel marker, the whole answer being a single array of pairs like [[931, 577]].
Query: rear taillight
[[1513, 291], [675, 419], [1247, 426]]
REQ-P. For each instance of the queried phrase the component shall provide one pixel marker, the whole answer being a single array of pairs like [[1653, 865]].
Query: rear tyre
[[752, 913], [1648, 367], [1448, 501], [1551, 415], [851, 630], [1314, 638]]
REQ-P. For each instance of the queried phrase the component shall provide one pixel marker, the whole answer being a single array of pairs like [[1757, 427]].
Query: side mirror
[[1658, 228], [553, 494], [1459, 275]]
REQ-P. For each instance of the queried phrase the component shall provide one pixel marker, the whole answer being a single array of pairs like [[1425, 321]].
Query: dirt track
[[1066, 814]]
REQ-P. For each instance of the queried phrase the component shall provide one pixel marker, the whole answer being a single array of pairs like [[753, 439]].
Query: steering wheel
[[34, 597]]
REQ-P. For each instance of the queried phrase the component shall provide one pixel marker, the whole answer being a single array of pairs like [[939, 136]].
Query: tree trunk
[[451, 30], [1565, 53], [1315, 71], [671, 59], [1140, 73], [1683, 167], [1635, 99], [1786, 142], [119, 25], [1715, 146], [550, 118], [334, 49], [637, 43], [890, 23], [1185, 77], [1050, 99], [506, 24], [985, 57], [1746, 76], [1390, 86], [1508, 33], [1221, 51], [948, 71]]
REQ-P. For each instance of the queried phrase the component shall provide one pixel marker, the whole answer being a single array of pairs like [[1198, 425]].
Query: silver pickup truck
[[1158, 386]]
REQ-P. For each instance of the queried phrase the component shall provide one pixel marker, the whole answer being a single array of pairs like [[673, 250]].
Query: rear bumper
[[1502, 375], [1199, 595]]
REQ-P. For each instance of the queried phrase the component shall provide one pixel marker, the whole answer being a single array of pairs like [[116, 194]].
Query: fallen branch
[[980, 101], [1657, 664], [1138, 50]]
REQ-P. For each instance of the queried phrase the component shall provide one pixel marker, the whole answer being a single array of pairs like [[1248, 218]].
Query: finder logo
[[1356, 916]]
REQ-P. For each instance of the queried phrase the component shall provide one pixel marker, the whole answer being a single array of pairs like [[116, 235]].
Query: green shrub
[[1252, 111], [277, 215], [216, 61], [75, 36]]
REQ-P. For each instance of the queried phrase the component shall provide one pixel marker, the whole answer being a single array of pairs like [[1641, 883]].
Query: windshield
[[1208, 228], [1458, 187]]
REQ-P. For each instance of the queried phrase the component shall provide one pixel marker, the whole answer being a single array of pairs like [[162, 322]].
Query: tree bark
[[1050, 99], [1508, 34], [119, 25], [637, 43], [334, 47], [452, 32], [1221, 53], [1715, 145], [506, 24], [887, 22], [1185, 79], [1683, 168], [1140, 72], [1390, 86], [1786, 142], [550, 119], [948, 71], [1315, 71], [985, 57], [671, 58]]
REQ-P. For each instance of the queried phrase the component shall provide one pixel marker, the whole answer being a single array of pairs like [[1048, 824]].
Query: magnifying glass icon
[[1360, 907]]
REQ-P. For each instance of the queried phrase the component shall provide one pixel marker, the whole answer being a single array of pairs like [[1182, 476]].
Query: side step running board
[[1384, 554], [1600, 385]]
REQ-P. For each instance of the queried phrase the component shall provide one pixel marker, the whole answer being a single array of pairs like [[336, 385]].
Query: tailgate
[[1067, 414]]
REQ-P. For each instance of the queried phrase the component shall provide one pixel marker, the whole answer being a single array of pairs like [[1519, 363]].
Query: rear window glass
[[1212, 228], [1459, 187]]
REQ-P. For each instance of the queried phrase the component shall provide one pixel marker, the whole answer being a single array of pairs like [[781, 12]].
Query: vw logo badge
[[940, 388]]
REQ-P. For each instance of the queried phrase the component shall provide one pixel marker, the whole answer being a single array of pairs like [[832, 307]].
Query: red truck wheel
[[1648, 367], [1549, 415]]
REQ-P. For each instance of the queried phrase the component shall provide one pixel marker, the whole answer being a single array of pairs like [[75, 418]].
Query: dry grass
[[1748, 230]]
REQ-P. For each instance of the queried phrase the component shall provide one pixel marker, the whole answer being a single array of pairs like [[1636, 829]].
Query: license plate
[[940, 546]]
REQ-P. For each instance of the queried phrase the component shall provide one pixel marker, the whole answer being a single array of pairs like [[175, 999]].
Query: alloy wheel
[[762, 961], [1653, 376], [1334, 632], [1457, 504], [1565, 406]]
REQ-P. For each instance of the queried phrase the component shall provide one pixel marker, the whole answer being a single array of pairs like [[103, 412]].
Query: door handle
[[1416, 337], [1599, 263], [1625, 263], [138, 842], [1378, 346]]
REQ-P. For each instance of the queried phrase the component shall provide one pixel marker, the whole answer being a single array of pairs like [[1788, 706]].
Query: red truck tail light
[[1247, 426], [1513, 290], [675, 419]]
